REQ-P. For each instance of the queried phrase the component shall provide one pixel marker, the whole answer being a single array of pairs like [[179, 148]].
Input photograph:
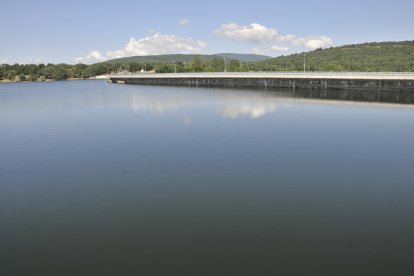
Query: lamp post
[[175, 67], [225, 66], [304, 62]]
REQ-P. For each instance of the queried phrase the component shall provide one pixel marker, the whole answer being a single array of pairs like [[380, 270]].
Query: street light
[[225, 66], [175, 66], [304, 62]]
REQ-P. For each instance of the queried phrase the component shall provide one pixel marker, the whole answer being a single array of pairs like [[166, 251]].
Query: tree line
[[42, 72], [368, 57]]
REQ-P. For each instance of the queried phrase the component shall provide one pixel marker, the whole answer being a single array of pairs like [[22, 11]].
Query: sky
[[44, 31]]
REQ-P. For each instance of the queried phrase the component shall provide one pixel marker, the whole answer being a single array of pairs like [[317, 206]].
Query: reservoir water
[[105, 179]]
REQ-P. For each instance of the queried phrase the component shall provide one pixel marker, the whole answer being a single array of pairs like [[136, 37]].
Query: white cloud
[[269, 50], [93, 56], [184, 22], [268, 38], [159, 44], [116, 54], [253, 33], [156, 44], [278, 48], [286, 38], [313, 42], [258, 51]]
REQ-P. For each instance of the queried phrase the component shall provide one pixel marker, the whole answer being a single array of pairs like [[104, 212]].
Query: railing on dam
[[272, 80], [295, 74]]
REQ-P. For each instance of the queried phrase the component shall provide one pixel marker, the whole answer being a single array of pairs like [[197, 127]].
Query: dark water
[[103, 179]]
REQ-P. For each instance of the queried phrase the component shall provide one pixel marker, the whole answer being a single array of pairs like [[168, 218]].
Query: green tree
[[33, 77], [234, 66], [22, 78], [135, 67], [11, 75], [180, 67], [244, 67], [198, 64], [79, 70], [165, 68], [217, 65], [47, 71], [59, 73]]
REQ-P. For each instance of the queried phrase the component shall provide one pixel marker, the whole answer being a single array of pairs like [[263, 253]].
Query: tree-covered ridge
[[189, 58], [368, 57]]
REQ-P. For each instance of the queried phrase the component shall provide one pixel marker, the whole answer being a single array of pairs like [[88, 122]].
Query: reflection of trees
[[229, 103]]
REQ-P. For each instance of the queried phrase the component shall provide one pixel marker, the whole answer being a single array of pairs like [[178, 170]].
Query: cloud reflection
[[227, 103], [97, 97], [187, 120], [252, 108], [21, 100]]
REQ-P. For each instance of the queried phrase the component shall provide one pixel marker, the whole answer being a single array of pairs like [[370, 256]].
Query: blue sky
[[90, 31]]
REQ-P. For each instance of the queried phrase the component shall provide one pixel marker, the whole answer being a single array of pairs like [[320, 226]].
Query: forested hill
[[383, 56], [188, 58], [243, 57]]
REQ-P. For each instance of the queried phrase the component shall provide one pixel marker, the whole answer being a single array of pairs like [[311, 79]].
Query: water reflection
[[228, 103], [99, 179], [249, 105]]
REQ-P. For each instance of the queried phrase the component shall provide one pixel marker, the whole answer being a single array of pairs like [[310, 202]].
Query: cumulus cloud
[[269, 49], [278, 48], [254, 33], [268, 38], [286, 38], [313, 42], [92, 56], [157, 44], [184, 22]]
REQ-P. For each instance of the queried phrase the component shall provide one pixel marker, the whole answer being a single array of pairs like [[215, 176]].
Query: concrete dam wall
[[397, 81]]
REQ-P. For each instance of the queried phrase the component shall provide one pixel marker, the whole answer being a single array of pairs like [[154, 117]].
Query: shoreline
[[48, 80]]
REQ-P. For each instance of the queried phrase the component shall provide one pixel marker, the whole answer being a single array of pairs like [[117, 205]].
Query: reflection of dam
[[373, 96], [343, 81], [228, 103], [254, 104], [266, 97]]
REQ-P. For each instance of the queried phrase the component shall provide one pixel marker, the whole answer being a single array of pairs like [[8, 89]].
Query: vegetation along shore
[[367, 57]]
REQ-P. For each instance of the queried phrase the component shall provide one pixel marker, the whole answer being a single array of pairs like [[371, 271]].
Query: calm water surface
[[103, 179]]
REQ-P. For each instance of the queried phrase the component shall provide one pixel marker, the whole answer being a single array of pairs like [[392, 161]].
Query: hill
[[243, 57], [367, 57], [188, 58]]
